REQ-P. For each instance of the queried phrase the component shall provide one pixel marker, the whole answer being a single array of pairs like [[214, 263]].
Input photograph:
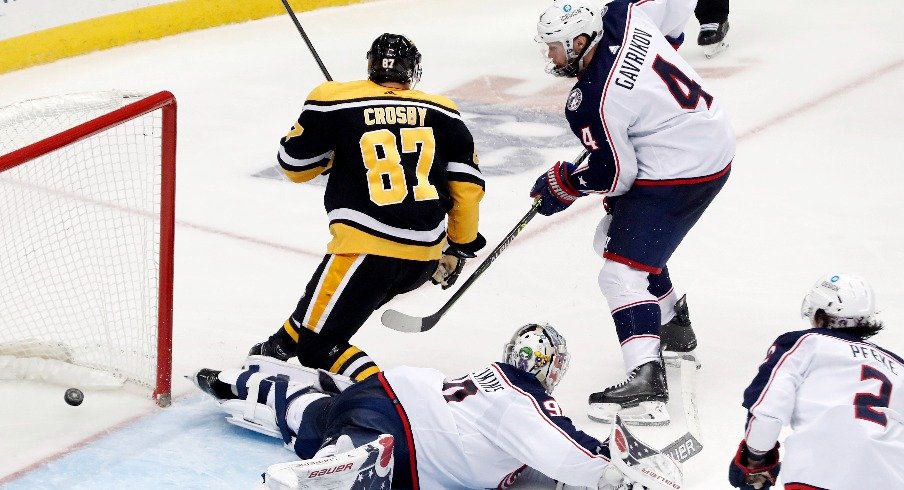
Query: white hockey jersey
[[841, 397], [481, 430], [644, 114]]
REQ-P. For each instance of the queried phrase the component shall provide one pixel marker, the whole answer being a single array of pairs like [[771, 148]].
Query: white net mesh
[[79, 236]]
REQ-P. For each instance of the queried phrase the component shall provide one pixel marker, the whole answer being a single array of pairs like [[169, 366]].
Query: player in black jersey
[[402, 198]]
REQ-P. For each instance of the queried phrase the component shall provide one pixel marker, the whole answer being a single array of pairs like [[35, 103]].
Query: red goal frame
[[166, 102]]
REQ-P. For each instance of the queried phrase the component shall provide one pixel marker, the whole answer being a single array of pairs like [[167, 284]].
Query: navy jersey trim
[[684, 181], [528, 385]]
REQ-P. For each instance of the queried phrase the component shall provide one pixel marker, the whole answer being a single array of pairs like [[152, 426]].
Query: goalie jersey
[[399, 162], [642, 112], [489, 425], [841, 397]]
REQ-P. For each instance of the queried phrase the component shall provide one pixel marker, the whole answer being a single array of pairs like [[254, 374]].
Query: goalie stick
[[688, 445], [401, 322]]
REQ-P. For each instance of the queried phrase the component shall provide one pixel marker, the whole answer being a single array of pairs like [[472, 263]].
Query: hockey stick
[[401, 322], [406, 323], [307, 40], [688, 445]]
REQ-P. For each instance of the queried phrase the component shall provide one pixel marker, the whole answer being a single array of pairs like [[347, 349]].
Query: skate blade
[[713, 50], [673, 359], [644, 414]]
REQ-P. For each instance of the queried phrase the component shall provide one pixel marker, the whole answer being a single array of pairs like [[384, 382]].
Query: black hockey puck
[[74, 397]]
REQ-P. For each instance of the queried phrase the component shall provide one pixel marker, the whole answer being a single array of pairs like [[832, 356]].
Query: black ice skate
[[640, 400], [677, 338], [712, 38], [278, 346], [208, 382]]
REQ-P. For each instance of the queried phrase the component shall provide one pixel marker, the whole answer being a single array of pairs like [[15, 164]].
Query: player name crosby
[[395, 115], [631, 64], [861, 351]]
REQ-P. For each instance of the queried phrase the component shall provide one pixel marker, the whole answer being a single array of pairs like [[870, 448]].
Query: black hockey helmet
[[393, 58]]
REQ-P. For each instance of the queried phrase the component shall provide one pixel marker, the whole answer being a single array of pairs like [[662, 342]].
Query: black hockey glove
[[749, 472], [453, 261], [555, 189]]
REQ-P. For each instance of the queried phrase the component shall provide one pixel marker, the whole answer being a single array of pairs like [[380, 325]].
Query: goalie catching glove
[[750, 471], [453, 261], [556, 189]]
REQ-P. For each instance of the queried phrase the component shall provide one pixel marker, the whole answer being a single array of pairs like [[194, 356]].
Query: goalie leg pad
[[368, 467], [299, 373], [264, 401]]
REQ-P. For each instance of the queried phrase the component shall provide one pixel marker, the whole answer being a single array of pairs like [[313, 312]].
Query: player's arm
[[770, 401], [600, 173], [466, 186], [771, 397], [530, 426], [307, 150], [671, 16], [611, 156]]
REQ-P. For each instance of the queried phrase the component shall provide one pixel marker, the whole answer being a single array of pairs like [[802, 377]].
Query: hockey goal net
[[87, 195]]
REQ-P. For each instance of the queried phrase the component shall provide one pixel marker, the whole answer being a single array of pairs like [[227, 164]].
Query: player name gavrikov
[[634, 58], [395, 115], [658, 477]]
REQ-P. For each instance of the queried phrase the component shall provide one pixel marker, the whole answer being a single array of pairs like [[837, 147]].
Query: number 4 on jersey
[[686, 91]]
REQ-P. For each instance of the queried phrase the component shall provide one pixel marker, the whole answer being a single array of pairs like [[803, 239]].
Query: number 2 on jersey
[[864, 403], [386, 175]]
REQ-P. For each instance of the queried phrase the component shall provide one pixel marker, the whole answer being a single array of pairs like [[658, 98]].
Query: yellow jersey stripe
[[367, 373], [329, 289], [351, 351]]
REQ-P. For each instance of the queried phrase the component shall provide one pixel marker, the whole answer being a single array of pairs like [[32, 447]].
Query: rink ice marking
[[74, 447]]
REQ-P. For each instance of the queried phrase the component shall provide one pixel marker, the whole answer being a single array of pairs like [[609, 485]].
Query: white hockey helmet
[[540, 350], [566, 20], [847, 300]]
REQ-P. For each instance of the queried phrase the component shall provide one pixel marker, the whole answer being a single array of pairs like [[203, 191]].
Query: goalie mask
[[562, 23], [847, 300], [539, 350], [394, 58]]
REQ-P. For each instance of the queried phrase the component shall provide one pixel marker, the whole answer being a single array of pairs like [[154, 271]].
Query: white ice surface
[[816, 94]]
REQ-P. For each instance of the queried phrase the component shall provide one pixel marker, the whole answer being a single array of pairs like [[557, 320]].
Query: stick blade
[[401, 322]]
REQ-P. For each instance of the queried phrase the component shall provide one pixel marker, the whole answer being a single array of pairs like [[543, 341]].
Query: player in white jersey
[[480, 430], [839, 393], [660, 149]]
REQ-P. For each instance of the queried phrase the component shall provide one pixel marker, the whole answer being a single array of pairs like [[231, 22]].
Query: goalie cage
[[87, 197]]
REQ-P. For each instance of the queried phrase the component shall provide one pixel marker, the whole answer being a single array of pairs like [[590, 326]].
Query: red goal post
[[88, 236]]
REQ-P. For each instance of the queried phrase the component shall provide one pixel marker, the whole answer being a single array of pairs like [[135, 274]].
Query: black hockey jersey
[[400, 161]]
